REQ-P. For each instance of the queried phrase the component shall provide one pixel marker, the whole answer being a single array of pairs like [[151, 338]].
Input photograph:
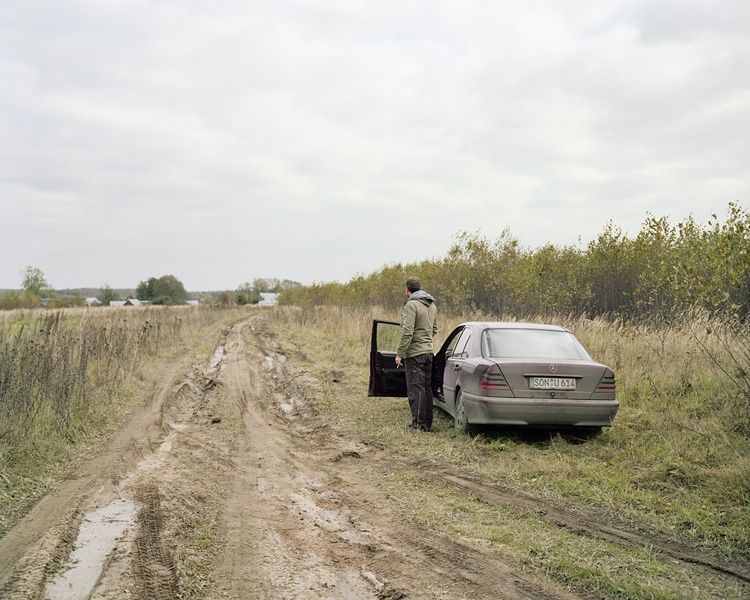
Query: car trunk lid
[[568, 379]]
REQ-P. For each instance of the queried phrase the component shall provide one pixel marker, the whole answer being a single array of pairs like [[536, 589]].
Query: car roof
[[513, 325]]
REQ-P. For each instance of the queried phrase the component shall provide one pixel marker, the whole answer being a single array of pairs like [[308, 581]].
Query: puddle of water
[[97, 536]]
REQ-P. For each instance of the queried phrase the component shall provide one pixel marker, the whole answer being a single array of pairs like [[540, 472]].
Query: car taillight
[[606, 385], [493, 379]]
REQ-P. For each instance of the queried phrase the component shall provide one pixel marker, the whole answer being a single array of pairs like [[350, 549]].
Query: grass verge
[[672, 464]]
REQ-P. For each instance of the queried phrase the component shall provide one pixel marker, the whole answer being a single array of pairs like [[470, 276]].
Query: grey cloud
[[312, 127], [661, 21]]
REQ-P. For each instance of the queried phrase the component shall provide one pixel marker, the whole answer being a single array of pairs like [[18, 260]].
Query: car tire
[[460, 417], [589, 432]]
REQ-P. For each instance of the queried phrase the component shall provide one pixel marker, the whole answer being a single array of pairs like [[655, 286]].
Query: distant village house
[[268, 299], [128, 302]]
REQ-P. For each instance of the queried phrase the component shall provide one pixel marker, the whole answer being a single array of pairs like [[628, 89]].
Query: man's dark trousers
[[419, 389]]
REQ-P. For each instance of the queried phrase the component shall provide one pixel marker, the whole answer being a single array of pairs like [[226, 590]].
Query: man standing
[[418, 327]]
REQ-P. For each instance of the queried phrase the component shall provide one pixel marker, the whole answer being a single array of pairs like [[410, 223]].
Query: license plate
[[552, 383]]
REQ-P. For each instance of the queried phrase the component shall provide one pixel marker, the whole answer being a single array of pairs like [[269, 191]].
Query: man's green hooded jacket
[[418, 325]]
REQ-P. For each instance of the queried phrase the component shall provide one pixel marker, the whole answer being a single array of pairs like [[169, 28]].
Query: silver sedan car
[[492, 373]]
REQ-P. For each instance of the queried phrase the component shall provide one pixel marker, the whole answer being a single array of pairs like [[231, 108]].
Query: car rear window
[[532, 343]]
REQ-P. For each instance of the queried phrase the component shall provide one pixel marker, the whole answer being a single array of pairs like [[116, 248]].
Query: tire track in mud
[[37, 548], [61, 505], [322, 528], [177, 481], [154, 568], [42, 550], [605, 528], [277, 543]]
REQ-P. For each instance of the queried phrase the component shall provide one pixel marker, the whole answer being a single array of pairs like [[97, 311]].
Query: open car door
[[385, 378]]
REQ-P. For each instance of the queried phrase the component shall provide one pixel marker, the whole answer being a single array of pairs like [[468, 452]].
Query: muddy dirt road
[[227, 483]]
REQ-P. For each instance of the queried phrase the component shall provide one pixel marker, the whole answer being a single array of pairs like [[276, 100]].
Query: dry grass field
[[262, 416]]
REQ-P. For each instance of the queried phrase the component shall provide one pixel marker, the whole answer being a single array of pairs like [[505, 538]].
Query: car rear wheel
[[460, 418], [589, 432]]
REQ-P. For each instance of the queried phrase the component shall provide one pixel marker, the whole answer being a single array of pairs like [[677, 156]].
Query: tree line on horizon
[[654, 276], [165, 290]]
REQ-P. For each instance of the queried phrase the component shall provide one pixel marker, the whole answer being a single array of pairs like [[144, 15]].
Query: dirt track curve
[[234, 445]]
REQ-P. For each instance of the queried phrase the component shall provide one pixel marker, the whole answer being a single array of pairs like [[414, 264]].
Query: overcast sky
[[315, 140]]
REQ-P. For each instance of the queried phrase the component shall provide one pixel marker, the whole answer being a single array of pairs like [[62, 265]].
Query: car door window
[[451, 344], [387, 337], [460, 350]]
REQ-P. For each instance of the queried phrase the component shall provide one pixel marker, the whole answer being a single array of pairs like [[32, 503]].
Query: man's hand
[[398, 362]]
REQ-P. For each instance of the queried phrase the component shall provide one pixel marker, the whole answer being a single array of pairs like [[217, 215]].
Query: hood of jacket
[[423, 296]]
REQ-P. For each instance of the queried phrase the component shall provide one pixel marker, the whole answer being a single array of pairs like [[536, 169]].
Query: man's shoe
[[415, 427]]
